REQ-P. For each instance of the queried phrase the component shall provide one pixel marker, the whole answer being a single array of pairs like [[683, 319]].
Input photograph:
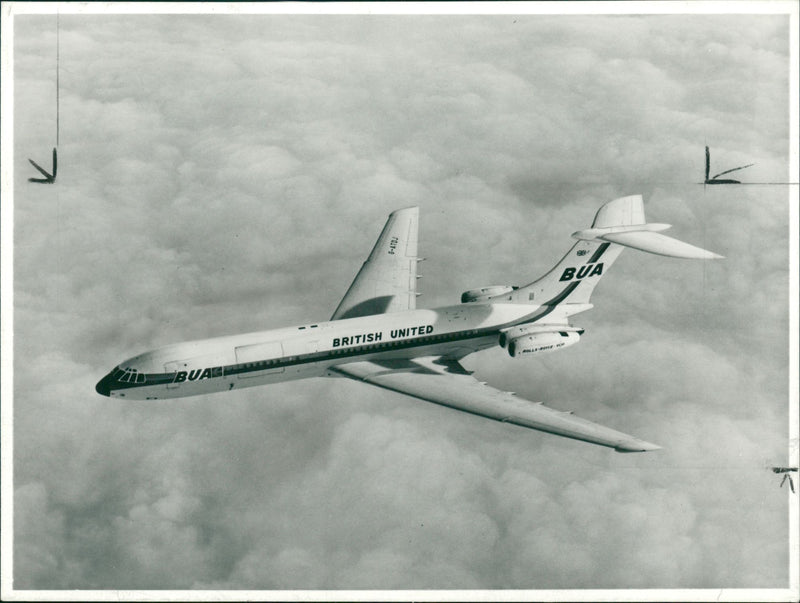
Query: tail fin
[[617, 224]]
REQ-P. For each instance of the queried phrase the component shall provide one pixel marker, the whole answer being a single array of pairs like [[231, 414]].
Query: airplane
[[377, 335], [48, 178], [715, 179]]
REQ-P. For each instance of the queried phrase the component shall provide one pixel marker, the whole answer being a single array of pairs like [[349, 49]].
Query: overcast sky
[[225, 174]]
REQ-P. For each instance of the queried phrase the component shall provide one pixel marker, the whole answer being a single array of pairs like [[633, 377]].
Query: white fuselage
[[250, 359]]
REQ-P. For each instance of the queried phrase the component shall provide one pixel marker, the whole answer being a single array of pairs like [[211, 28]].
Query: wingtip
[[702, 254], [412, 208], [637, 446]]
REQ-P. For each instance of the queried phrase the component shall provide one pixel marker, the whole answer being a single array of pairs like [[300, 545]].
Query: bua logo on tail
[[582, 272]]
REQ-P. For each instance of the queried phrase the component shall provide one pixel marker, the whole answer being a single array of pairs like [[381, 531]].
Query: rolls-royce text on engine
[[527, 340]]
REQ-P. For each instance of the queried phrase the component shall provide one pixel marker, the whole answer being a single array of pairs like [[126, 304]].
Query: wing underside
[[387, 282], [446, 382]]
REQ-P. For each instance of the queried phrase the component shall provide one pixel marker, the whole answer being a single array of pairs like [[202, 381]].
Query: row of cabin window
[[263, 363], [384, 345], [260, 363]]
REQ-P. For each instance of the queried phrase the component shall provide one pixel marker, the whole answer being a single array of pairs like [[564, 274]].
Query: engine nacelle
[[510, 333], [485, 293], [540, 343]]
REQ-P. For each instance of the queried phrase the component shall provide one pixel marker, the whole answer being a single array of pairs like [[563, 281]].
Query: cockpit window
[[129, 375]]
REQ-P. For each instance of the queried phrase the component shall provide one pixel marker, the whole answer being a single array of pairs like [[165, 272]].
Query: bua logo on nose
[[582, 272]]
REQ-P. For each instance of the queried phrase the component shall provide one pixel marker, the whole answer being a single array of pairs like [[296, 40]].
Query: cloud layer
[[224, 174]]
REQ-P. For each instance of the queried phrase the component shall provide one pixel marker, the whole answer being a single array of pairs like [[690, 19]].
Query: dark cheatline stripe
[[563, 295], [550, 305], [150, 379], [596, 255]]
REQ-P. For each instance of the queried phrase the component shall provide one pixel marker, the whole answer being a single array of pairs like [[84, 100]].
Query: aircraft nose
[[103, 386]]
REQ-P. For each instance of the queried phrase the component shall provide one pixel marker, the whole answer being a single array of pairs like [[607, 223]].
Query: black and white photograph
[[304, 301]]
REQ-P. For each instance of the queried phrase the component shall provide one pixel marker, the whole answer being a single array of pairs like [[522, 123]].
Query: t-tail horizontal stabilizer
[[48, 178], [622, 222]]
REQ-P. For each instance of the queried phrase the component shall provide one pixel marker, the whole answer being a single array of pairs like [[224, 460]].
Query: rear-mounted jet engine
[[485, 293], [526, 340]]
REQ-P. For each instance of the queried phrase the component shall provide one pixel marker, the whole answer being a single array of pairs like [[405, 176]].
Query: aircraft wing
[[387, 282], [446, 382]]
